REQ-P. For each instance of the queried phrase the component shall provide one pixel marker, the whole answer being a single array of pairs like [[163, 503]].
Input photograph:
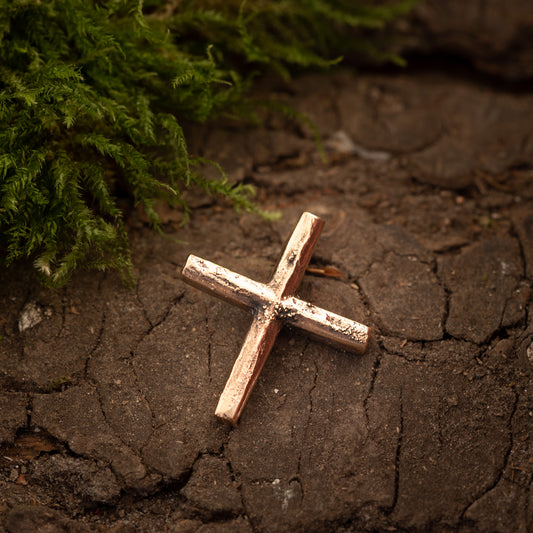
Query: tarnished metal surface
[[272, 305], [334, 329], [254, 352]]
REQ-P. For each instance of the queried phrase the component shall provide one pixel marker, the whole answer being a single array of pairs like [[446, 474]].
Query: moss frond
[[93, 94]]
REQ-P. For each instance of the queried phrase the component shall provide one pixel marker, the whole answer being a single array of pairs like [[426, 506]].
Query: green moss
[[93, 94]]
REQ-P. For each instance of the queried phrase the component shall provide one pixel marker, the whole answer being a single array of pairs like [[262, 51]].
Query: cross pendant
[[272, 304]]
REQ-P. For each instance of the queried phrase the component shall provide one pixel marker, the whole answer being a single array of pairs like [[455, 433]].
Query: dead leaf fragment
[[329, 272], [21, 480], [28, 446]]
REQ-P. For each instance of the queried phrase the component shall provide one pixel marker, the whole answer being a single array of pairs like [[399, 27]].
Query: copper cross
[[272, 305]]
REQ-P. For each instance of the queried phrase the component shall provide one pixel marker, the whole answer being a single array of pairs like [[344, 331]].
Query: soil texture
[[107, 394]]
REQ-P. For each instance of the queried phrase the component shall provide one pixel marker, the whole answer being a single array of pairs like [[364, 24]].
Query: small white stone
[[31, 315], [529, 353]]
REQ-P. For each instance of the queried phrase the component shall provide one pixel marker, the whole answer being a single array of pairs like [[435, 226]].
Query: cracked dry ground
[[106, 409]]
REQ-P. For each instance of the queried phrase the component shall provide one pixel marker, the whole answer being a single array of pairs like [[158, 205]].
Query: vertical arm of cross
[[265, 326], [296, 256], [248, 366]]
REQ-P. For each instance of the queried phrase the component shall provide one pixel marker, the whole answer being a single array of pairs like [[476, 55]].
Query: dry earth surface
[[106, 409]]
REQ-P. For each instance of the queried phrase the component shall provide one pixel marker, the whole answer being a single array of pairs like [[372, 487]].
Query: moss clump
[[93, 94]]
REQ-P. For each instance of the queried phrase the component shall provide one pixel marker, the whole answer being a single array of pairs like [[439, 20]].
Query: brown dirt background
[[107, 394]]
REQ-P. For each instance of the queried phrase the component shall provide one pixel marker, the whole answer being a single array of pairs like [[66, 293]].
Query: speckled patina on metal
[[272, 304]]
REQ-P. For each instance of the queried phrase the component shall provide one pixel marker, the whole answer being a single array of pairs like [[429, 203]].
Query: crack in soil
[[397, 458], [523, 261], [213, 516], [141, 304], [375, 369], [447, 296], [236, 480], [501, 472], [152, 327], [99, 336], [97, 344], [176, 300], [523, 278]]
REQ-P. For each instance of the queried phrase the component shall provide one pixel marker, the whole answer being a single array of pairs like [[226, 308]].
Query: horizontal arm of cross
[[227, 285], [249, 294]]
